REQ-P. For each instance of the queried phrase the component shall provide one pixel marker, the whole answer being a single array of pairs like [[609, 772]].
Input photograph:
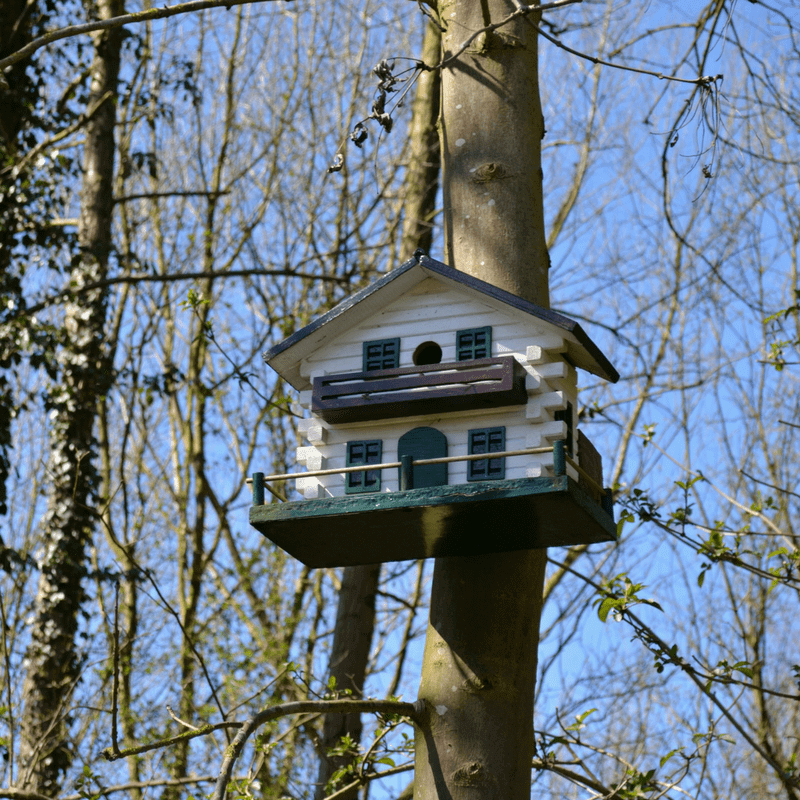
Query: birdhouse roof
[[286, 356]]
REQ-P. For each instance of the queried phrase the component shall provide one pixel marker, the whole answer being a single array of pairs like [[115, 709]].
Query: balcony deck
[[430, 389], [461, 520]]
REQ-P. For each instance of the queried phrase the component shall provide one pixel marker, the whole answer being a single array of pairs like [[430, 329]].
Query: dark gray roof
[[581, 350]]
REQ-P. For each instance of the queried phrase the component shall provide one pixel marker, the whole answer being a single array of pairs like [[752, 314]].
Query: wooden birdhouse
[[440, 415]]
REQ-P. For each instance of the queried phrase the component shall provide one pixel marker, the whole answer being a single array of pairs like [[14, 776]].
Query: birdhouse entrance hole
[[427, 353]]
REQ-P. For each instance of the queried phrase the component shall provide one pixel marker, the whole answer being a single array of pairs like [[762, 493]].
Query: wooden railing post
[[258, 488], [406, 472], [559, 458]]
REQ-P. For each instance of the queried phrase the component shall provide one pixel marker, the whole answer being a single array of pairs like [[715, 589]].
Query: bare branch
[[706, 80], [116, 22], [109, 754], [410, 710], [523, 11], [70, 292], [21, 794]]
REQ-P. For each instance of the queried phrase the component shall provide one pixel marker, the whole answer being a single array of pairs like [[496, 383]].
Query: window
[[566, 416], [487, 440], [381, 354], [358, 453], [474, 343]]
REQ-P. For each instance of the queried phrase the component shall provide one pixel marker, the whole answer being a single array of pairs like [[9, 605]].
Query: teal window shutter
[[381, 354], [487, 440], [359, 453], [566, 416], [474, 343]]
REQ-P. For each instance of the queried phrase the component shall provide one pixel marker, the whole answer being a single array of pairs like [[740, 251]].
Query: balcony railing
[[430, 389], [602, 496]]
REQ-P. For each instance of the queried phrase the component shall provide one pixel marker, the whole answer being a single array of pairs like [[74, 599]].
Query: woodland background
[[166, 214]]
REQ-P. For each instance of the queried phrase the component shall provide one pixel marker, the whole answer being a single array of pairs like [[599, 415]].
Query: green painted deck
[[463, 520]]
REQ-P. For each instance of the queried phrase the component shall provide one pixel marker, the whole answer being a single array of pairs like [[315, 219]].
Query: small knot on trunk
[[470, 774], [491, 172]]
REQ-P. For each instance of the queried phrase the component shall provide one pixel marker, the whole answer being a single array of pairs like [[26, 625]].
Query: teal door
[[425, 443]]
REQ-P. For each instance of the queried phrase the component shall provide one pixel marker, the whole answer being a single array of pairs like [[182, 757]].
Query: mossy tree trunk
[[54, 658]]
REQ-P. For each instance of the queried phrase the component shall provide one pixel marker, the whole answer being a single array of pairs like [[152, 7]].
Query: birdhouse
[[440, 419]]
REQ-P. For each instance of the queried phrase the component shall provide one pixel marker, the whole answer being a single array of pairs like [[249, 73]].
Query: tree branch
[[410, 710], [524, 11], [70, 292], [109, 754], [116, 22], [646, 634]]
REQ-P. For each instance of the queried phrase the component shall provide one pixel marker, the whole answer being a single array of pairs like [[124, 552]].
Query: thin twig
[[109, 755], [410, 710], [646, 632], [770, 485], [116, 22], [10, 710], [115, 681], [154, 195], [703, 81], [181, 721], [69, 292], [189, 641]]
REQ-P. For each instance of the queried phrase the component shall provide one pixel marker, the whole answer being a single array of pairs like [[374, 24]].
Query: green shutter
[[474, 343], [363, 452], [487, 440], [381, 354]]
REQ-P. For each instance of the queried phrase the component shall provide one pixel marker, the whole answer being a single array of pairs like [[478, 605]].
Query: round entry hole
[[428, 353]]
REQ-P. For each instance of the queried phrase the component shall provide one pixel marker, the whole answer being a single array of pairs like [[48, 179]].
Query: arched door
[[425, 443]]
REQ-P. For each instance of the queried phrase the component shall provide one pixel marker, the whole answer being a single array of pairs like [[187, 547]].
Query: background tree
[[671, 227], [355, 616]]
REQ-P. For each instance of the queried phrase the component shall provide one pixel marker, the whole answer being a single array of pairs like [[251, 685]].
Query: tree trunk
[[15, 109], [352, 639], [479, 665], [424, 165], [53, 657], [492, 127], [355, 616]]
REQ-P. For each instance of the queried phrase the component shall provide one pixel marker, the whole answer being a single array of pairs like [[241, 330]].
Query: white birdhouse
[[440, 415]]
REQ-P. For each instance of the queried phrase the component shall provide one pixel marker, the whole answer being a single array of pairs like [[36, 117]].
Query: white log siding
[[434, 312]]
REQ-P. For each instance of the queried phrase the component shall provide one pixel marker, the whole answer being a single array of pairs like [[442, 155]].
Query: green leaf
[[579, 718], [386, 760], [669, 755], [744, 668], [606, 606]]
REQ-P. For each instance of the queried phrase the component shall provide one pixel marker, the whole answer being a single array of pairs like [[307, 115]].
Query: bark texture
[[53, 657], [491, 133], [478, 678], [479, 665]]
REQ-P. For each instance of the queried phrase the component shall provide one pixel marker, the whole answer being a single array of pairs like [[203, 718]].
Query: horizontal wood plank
[[404, 391]]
